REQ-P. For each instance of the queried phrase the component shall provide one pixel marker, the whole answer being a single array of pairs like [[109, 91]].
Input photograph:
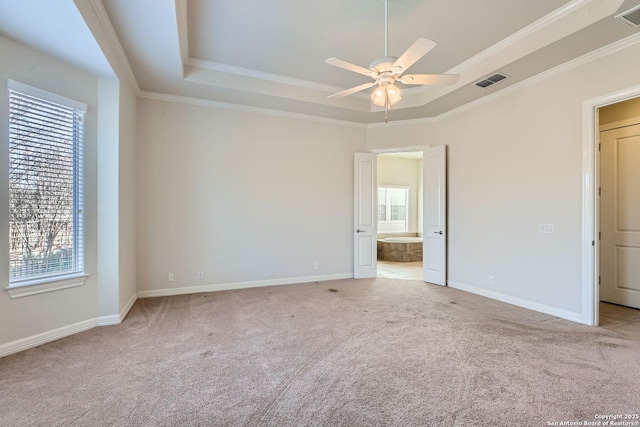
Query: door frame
[[590, 202], [378, 151]]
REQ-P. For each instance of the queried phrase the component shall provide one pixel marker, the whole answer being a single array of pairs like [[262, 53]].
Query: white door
[[434, 246], [620, 216], [364, 230]]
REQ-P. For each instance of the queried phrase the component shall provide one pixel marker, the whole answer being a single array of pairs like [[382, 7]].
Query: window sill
[[48, 284]]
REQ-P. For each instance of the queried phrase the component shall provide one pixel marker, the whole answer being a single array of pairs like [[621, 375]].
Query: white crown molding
[[582, 60], [114, 41], [183, 35], [246, 108], [520, 35], [240, 285], [404, 122], [181, 10], [514, 38], [276, 78], [183, 41]]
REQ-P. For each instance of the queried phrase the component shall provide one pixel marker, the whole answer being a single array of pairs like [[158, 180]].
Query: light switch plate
[[546, 228]]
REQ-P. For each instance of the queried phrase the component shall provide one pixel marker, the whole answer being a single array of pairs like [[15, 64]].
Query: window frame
[[66, 279], [388, 207]]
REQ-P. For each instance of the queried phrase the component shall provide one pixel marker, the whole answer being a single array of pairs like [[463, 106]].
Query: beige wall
[[241, 196], [621, 111], [28, 316], [516, 162], [127, 194], [395, 171]]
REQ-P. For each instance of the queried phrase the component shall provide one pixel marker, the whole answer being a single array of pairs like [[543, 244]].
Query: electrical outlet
[[170, 278], [546, 228], [492, 280], [317, 265], [200, 275]]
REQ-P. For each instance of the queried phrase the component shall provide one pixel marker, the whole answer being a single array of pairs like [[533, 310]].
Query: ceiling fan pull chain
[[387, 103]]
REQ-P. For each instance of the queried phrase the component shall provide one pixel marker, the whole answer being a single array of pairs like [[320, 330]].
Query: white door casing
[[620, 216], [365, 213], [434, 249]]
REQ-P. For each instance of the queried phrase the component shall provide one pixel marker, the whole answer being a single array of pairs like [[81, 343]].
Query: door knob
[[360, 231], [438, 232]]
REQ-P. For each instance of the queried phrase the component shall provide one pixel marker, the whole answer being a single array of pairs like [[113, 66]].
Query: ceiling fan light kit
[[386, 95], [386, 71]]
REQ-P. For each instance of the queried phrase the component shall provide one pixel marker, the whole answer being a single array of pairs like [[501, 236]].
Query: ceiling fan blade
[[416, 51], [352, 90], [351, 67], [429, 79]]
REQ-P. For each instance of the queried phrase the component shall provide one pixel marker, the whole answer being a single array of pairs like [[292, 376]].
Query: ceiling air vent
[[631, 17], [491, 80]]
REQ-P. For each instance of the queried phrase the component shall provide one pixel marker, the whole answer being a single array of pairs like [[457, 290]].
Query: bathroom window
[[393, 209]]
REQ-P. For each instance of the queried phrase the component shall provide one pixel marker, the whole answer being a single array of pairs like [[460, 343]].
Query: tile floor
[[619, 318], [612, 316], [400, 270]]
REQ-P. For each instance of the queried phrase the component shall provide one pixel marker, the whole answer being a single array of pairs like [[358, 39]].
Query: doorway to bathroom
[[399, 210], [434, 214]]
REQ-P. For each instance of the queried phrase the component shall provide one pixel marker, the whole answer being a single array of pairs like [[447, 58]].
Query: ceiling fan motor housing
[[385, 79], [384, 64]]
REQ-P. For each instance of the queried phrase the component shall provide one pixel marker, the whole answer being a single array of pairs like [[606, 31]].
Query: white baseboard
[[546, 309], [116, 319], [240, 285], [45, 337], [65, 331], [113, 319], [127, 307]]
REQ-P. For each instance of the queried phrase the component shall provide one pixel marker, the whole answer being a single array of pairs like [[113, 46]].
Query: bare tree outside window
[[45, 200]]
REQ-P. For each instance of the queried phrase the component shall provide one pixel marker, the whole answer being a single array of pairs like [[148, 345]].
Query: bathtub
[[400, 249], [403, 239]]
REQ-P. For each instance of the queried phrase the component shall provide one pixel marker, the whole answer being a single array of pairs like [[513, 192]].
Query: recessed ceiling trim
[[245, 72], [514, 38], [111, 38], [246, 108], [183, 35], [582, 60], [542, 32], [631, 17], [572, 17], [592, 56]]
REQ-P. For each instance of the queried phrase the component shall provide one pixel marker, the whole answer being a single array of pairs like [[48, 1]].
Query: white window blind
[[46, 178]]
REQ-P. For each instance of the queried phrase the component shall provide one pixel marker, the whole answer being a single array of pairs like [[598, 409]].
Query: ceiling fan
[[386, 71]]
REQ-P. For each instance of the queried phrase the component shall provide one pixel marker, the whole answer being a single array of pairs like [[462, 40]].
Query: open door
[[620, 216], [365, 255], [434, 249]]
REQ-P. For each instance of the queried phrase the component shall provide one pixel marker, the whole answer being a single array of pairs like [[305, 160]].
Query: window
[[46, 167], [393, 209]]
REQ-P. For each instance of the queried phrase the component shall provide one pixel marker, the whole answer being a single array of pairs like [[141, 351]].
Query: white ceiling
[[55, 27], [270, 54]]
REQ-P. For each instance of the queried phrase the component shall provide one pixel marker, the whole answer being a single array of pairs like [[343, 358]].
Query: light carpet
[[377, 352]]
